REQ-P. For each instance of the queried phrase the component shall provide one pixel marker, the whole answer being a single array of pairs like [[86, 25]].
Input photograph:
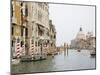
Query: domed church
[[80, 35]]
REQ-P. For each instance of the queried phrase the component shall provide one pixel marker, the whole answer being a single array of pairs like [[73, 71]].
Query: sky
[[69, 18]]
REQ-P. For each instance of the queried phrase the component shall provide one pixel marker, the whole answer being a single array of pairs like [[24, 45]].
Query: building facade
[[39, 29], [31, 28], [78, 42], [83, 41], [52, 34], [16, 25], [90, 41]]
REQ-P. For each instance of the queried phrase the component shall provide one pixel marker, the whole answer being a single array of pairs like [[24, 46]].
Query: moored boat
[[78, 50], [26, 58], [93, 53], [36, 57], [15, 61]]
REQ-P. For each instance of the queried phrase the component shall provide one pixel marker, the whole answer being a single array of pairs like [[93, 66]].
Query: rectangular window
[[12, 11], [36, 44], [12, 43], [26, 11], [40, 16], [22, 43], [12, 32], [22, 15], [26, 32], [21, 31]]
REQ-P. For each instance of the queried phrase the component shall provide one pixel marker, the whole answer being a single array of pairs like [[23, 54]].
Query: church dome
[[80, 34]]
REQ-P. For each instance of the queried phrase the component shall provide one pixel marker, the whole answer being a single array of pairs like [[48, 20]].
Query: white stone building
[[38, 27], [79, 40]]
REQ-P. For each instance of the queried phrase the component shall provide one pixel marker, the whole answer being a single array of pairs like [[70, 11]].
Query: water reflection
[[74, 61]]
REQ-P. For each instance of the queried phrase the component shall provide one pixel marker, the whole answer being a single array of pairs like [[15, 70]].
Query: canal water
[[74, 61]]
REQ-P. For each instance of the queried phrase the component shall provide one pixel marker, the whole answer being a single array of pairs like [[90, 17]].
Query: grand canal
[[73, 61]]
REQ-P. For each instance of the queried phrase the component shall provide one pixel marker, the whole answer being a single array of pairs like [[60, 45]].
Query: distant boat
[[93, 53], [78, 50]]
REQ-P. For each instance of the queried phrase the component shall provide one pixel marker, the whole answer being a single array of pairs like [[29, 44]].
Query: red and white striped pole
[[32, 50], [18, 50], [45, 49]]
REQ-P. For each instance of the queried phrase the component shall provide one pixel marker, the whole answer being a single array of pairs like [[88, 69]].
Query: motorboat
[[92, 52]]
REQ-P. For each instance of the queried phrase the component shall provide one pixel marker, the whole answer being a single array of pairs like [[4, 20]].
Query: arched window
[[12, 43]]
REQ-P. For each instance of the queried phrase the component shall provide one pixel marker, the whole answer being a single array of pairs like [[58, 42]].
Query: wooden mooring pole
[[65, 48]]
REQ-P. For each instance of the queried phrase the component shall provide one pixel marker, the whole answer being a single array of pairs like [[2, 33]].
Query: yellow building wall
[[17, 12]]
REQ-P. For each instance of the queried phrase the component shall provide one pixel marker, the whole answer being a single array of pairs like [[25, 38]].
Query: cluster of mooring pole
[[65, 48]]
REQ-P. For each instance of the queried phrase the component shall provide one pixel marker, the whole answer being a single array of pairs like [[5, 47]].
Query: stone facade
[[30, 23], [16, 24], [78, 42], [90, 41], [38, 26], [52, 34], [83, 41]]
